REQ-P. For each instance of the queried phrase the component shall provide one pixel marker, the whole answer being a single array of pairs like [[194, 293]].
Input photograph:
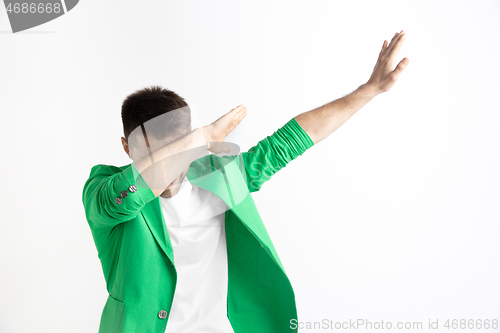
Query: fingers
[[232, 114], [235, 123], [383, 49], [391, 44], [394, 47], [238, 109], [241, 113], [238, 112], [386, 49]]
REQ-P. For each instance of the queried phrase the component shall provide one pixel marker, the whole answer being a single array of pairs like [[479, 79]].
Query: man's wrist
[[369, 90], [206, 135]]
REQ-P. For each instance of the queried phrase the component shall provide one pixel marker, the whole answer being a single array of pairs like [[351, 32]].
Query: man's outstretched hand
[[216, 133], [384, 74]]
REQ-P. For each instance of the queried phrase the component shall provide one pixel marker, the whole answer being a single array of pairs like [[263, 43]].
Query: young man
[[181, 243]]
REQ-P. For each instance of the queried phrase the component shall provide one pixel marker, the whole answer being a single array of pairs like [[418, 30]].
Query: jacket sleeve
[[112, 195], [273, 153]]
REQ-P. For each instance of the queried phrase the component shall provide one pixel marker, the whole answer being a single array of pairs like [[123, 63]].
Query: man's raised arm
[[324, 120]]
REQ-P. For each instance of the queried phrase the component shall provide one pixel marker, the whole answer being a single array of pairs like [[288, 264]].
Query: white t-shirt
[[195, 223]]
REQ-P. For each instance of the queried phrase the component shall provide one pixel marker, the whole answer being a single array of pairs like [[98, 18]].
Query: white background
[[393, 217]]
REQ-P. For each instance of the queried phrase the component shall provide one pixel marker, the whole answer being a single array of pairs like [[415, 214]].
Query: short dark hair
[[151, 102]]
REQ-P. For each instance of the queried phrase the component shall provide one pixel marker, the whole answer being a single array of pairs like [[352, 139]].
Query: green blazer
[[136, 255]]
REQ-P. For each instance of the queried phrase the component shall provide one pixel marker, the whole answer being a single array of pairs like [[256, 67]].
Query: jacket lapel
[[154, 219], [221, 177], [226, 182], [202, 173], [224, 178]]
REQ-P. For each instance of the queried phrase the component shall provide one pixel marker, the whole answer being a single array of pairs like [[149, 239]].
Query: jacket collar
[[217, 175]]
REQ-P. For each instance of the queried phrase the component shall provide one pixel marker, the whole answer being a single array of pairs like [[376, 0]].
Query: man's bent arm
[[162, 166], [170, 160], [324, 120], [112, 196]]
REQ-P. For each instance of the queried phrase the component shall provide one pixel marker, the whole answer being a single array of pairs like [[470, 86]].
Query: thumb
[[400, 67]]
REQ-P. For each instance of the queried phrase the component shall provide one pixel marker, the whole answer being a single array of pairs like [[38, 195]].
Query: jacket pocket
[[112, 316]]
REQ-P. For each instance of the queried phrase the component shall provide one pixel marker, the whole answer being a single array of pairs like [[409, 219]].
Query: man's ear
[[125, 146]]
